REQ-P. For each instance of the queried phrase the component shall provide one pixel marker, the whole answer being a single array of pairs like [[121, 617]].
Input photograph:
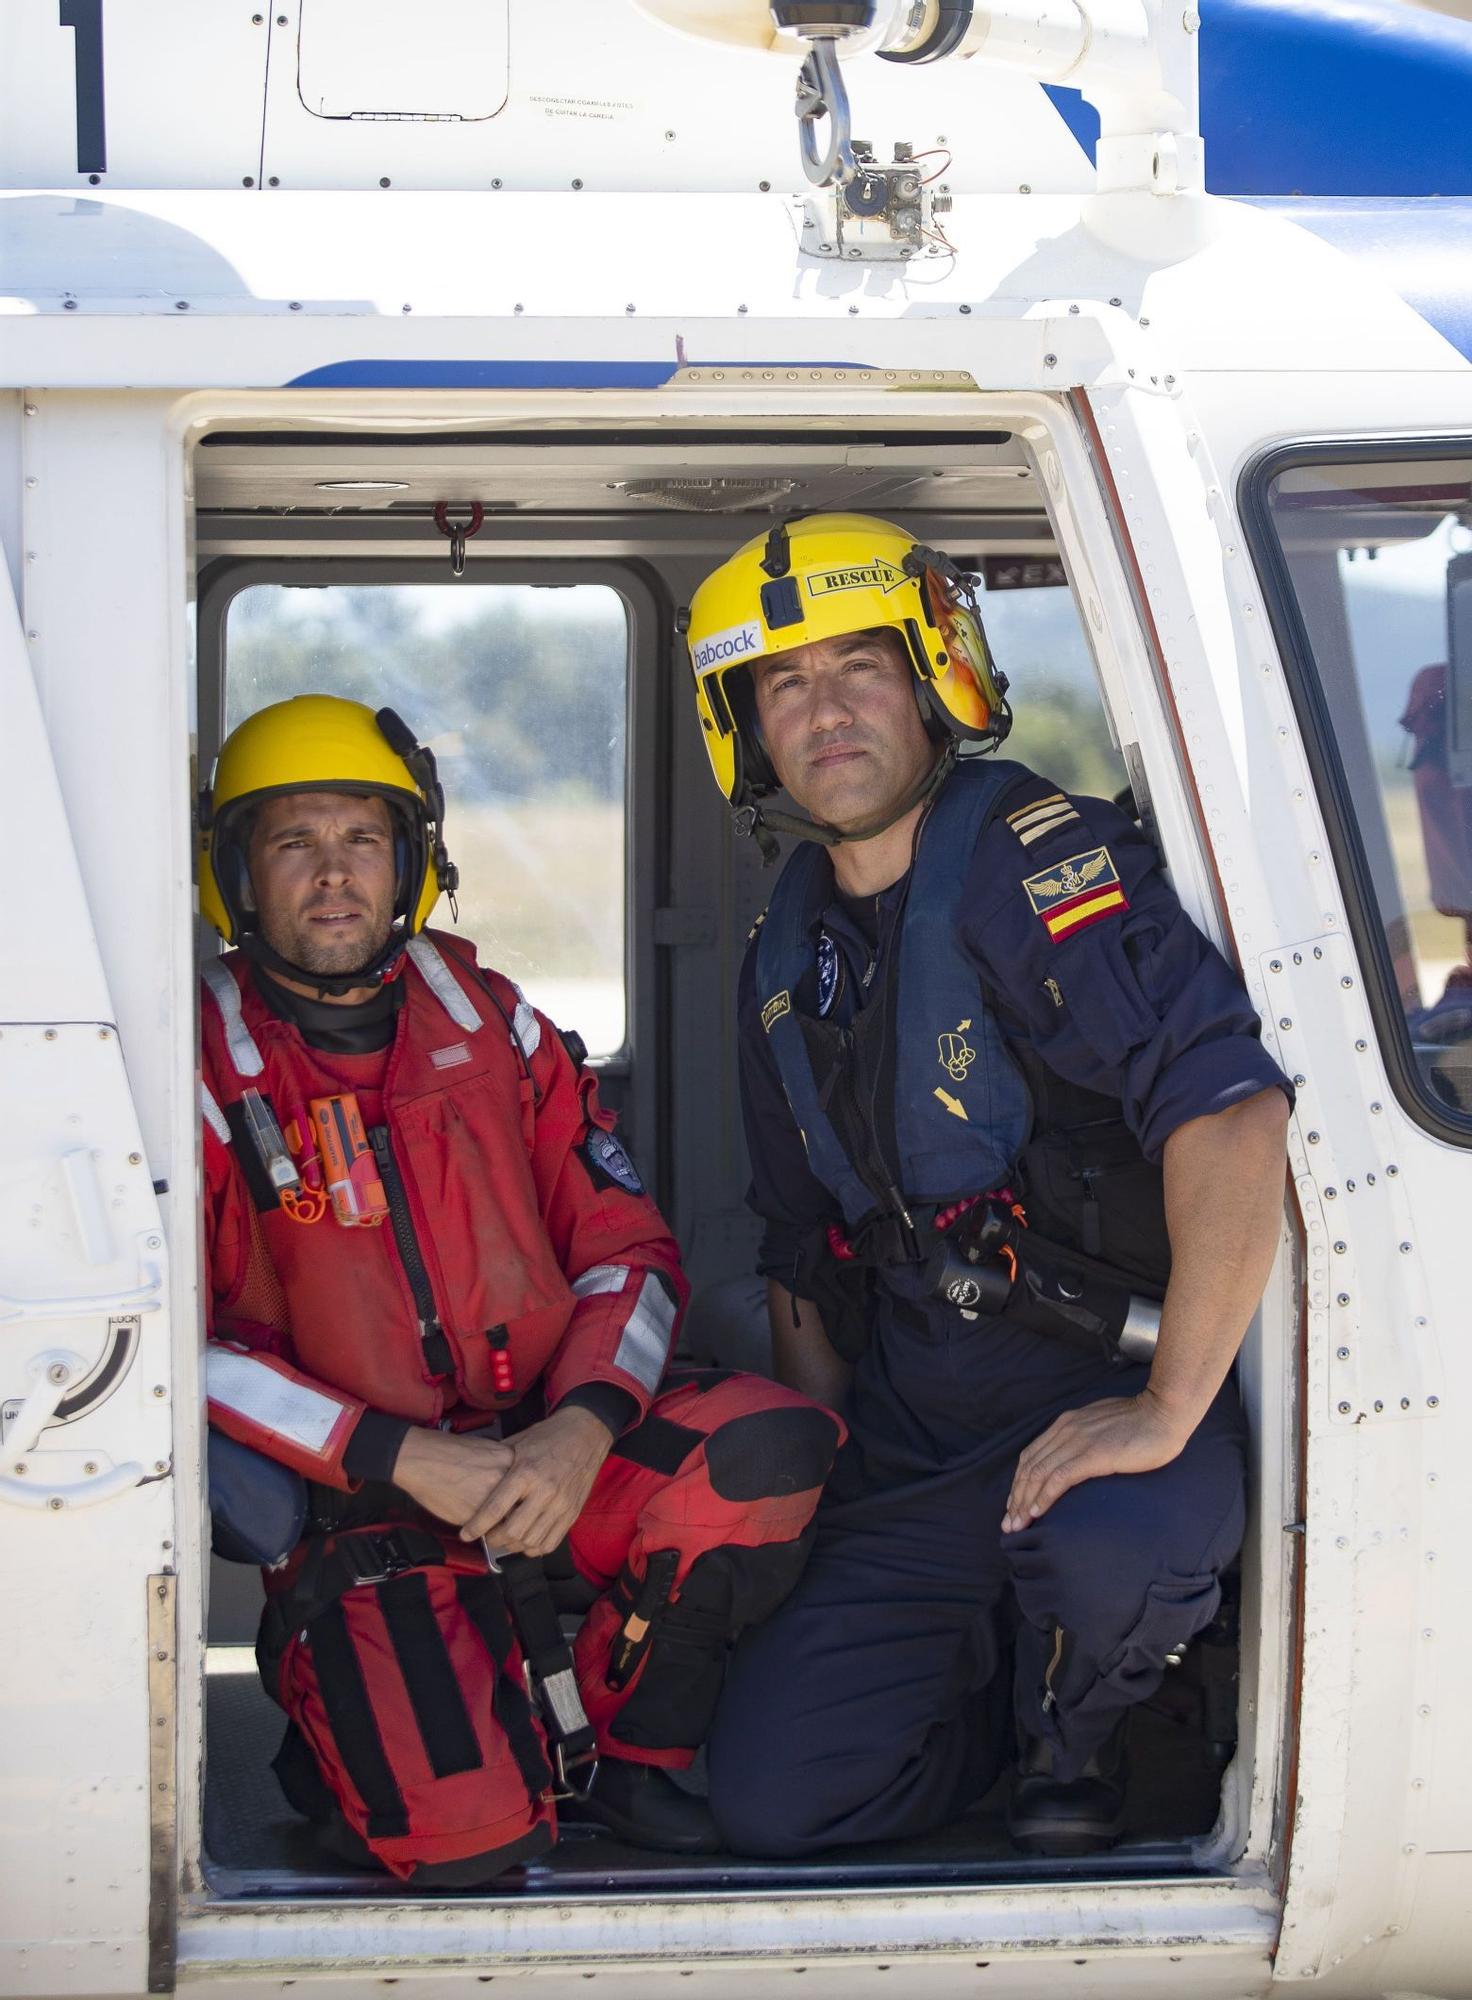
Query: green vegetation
[[522, 693]]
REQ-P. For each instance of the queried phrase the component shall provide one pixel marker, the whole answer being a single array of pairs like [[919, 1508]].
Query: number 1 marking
[[84, 18]]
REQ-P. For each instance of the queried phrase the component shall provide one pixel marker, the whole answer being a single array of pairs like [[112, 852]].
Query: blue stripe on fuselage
[[1316, 97], [549, 374], [1418, 248]]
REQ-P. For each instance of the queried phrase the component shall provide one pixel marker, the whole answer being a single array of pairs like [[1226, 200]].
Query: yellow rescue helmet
[[821, 576], [321, 743]]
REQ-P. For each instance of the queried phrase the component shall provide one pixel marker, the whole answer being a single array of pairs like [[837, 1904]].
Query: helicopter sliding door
[[86, 1451]]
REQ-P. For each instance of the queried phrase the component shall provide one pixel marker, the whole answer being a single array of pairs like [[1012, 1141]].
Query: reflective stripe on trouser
[[700, 1521]]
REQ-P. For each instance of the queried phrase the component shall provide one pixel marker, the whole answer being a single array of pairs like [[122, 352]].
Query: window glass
[[1059, 727], [522, 694], [1377, 555]]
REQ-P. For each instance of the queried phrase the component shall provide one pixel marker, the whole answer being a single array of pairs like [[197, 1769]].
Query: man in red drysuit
[[440, 1293]]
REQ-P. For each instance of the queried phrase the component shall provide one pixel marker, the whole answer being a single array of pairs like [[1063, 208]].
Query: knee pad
[[771, 1454]]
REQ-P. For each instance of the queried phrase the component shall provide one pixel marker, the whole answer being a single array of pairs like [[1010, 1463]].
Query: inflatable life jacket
[[405, 1316], [892, 1143]]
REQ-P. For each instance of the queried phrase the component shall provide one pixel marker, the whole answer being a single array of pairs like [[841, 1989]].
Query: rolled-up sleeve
[[1130, 1000]]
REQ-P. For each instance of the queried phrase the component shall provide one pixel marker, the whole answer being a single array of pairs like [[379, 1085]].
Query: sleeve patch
[[1073, 894], [608, 1161]]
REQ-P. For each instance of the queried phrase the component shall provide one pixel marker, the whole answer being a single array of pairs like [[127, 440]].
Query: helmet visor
[[968, 683]]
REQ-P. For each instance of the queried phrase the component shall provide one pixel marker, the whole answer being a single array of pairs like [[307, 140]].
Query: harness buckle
[[567, 1787], [377, 1558]]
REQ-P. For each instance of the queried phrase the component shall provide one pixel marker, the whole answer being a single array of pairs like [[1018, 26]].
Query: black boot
[[643, 1805], [1052, 1816]]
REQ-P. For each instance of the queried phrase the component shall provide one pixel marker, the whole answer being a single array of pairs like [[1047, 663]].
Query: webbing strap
[[481, 1600], [354, 1725], [549, 1656], [444, 1724], [241, 1043], [446, 988], [335, 1564]]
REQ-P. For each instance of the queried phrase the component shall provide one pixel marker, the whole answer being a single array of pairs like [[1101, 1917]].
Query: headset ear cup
[[933, 716], [232, 873], [755, 772]]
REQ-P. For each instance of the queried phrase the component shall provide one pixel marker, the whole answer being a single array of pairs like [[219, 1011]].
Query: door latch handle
[[55, 1371]]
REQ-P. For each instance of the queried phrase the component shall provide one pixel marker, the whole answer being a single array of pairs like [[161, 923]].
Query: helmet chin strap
[[762, 826], [379, 971]]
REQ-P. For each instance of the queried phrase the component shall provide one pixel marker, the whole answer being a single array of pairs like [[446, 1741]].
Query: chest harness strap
[[241, 1043], [429, 963]]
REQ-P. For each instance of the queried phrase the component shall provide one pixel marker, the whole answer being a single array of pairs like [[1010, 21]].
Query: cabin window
[[1373, 548], [1059, 726], [522, 692]]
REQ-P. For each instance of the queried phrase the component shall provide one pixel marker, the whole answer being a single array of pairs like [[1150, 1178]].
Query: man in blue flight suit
[[1009, 1116]]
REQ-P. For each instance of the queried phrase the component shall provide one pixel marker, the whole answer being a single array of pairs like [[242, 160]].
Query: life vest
[[960, 1107], [929, 1093], [479, 1318]]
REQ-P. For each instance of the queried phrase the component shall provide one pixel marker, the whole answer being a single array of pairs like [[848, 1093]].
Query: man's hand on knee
[[553, 1466], [1121, 1434]]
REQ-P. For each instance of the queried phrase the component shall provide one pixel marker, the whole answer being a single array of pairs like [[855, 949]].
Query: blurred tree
[[525, 696]]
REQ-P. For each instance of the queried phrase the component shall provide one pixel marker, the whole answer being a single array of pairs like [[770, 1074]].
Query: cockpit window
[[1377, 554], [522, 692]]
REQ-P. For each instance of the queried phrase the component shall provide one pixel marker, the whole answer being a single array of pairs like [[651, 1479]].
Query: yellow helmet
[[319, 742], [820, 576]]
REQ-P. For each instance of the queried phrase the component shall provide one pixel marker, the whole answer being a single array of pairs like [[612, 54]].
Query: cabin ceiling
[[379, 495]]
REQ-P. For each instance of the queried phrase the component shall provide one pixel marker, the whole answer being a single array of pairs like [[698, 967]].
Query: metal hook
[[822, 93], [458, 532]]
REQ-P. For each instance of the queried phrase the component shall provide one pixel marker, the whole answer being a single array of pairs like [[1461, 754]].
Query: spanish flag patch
[[1075, 893]]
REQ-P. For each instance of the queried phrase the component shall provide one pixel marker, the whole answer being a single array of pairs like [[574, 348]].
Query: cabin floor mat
[[255, 1845]]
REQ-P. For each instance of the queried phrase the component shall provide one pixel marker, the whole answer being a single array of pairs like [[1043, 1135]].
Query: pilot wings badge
[[1073, 894]]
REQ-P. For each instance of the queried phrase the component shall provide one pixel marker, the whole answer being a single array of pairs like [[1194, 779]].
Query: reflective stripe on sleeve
[[294, 1411], [446, 988], [525, 1025], [600, 1278], [241, 1043], [214, 1117], [644, 1344]]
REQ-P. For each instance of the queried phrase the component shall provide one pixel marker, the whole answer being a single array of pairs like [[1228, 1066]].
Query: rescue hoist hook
[[822, 93], [459, 532]]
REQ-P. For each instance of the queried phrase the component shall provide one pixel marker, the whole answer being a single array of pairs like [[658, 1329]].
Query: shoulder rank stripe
[[1075, 893], [1037, 805], [1031, 822], [1045, 823]]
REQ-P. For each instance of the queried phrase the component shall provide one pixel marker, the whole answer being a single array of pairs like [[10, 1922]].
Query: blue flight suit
[[873, 1706]]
